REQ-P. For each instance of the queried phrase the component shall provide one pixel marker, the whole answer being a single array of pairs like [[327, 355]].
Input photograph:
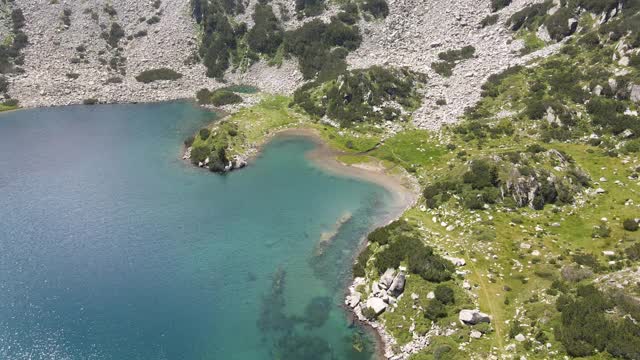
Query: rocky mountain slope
[[69, 61]]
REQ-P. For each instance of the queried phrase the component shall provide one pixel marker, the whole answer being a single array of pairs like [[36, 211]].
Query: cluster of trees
[[509, 180], [310, 7], [586, 329], [420, 258], [214, 145], [529, 17], [148, 76], [402, 245], [449, 60], [497, 5], [10, 53], [322, 48], [379, 9], [219, 38], [360, 95], [218, 97]]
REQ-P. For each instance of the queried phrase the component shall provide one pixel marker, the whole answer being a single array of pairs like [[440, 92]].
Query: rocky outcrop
[[57, 73], [413, 35], [473, 317]]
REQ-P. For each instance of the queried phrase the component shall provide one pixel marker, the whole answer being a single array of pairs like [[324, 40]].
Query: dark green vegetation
[[402, 246], [213, 147], [586, 329], [10, 48], [218, 97], [369, 95], [152, 75], [537, 190], [320, 47], [514, 179], [309, 7], [497, 5], [449, 59]]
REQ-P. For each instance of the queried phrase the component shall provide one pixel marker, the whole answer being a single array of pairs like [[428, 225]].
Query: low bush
[[225, 97], [497, 5], [421, 258], [204, 133], [148, 76], [489, 20], [630, 225], [90, 101], [444, 294], [378, 8]]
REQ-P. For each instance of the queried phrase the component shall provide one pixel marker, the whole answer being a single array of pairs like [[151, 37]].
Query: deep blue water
[[111, 247]]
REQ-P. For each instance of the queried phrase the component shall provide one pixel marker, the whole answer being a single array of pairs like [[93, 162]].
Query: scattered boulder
[[456, 261], [387, 278], [397, 286], [475, 334], [473, 317], [354, 299], [377, 305], [520, 338]]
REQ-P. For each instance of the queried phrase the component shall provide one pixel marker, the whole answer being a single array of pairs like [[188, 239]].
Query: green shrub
[[444, 294], [11, 103], [633, 252], [464, 53], [497, 5], [189, 141], [489, 20], [528, 16], [204, 133], [17, 19], [601, 231], [153, 20], [585, 329], [310, 7], [4, 84], [110, 10], [369, 313], [361, 263], [378, 8], [224, 97], [630, 225], [558, 24], [148, 76], [115, 34], [435, 310], [266, 35], [443, 68]]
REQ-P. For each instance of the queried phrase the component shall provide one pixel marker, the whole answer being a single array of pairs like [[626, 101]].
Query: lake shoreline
[[403, 188]]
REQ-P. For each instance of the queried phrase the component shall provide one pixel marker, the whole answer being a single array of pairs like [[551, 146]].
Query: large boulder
[[473, 317], [354, 299], [378, 305], [387, 278], [456, 261], [397, 286]]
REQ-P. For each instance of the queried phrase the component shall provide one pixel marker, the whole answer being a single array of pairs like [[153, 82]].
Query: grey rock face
[[473, 317]]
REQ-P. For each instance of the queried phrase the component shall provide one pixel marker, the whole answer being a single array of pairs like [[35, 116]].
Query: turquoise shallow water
[[113, 248]]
